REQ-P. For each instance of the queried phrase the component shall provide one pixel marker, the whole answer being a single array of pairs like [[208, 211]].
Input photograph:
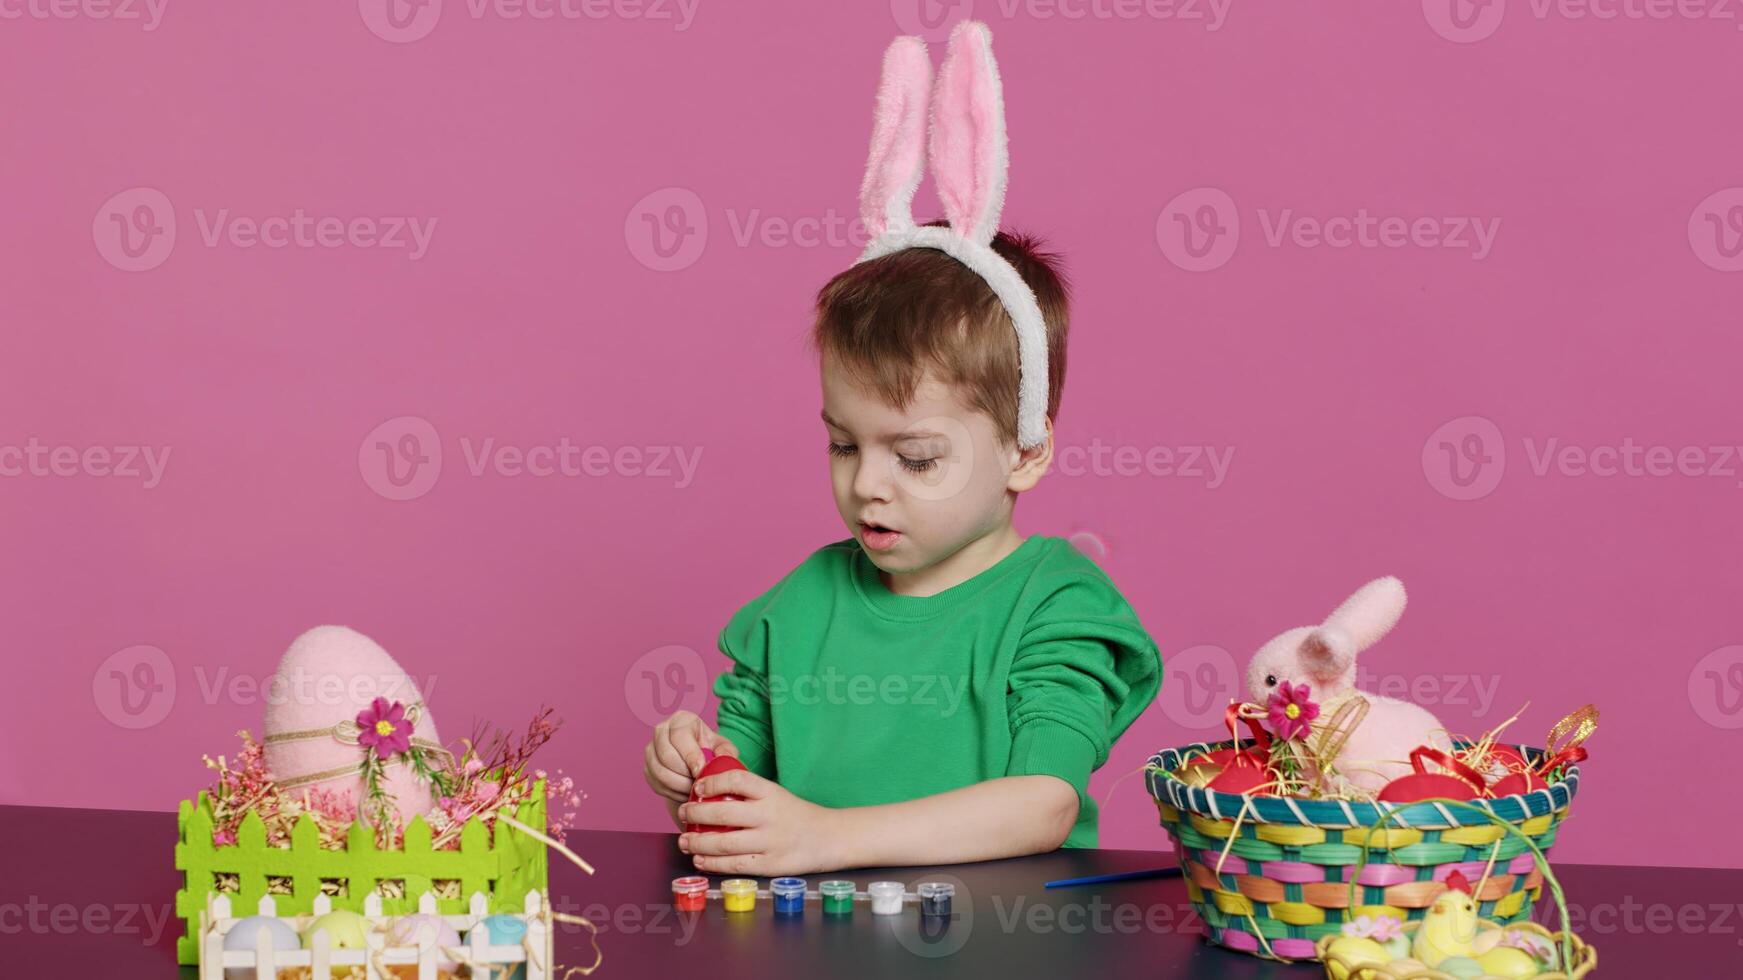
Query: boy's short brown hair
[[889, 319]]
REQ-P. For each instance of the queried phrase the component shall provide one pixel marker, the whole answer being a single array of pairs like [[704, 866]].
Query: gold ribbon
[[346, 732], [1566, 738]]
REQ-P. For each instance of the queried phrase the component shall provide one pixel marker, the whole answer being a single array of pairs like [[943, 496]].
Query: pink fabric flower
[[382, 727], [1291, 711]]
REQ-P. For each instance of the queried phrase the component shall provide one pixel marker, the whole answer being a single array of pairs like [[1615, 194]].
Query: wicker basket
[[1271, 875]]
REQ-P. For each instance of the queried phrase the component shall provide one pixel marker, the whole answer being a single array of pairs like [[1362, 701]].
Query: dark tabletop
[[91, 893]]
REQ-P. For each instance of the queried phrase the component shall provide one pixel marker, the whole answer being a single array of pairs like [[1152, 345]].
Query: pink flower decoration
[[382, 727], [1291, 711], [1379, 928]]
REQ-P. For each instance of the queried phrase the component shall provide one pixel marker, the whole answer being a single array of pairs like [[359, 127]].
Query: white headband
[[969, 162]]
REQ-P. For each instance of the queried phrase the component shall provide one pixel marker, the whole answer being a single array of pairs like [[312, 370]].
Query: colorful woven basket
[[1270, 875]]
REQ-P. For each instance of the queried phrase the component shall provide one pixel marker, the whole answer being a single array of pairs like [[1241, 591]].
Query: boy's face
[[935, 474]]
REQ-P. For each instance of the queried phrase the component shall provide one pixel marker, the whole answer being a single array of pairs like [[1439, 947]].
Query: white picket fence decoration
[[264, 962]]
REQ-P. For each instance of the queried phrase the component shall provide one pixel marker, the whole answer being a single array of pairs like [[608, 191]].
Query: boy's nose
[[872, 480]]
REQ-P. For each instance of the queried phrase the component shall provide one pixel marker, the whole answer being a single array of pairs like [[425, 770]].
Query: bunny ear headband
[[969, 161]]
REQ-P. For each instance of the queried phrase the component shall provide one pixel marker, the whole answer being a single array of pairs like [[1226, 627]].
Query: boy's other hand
[[778, 833], [674, 756]]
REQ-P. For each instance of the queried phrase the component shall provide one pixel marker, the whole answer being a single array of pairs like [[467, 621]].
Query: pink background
[[535, 317]]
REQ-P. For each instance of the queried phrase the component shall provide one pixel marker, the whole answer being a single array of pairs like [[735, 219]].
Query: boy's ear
[[1032, 463]]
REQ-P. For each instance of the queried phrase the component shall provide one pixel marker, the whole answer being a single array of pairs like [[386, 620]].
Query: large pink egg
[[328, 676]]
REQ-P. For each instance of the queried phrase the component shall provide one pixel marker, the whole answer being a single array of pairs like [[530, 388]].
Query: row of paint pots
[[691, 894]]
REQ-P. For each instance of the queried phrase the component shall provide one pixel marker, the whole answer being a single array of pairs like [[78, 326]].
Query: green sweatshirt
[[850, 695]]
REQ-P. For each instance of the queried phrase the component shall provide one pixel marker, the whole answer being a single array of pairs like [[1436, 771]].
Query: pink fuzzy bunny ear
[[898, 147], [1370, 613], [968, 154]]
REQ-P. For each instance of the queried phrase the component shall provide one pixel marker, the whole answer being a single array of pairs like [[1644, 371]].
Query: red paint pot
[[690, 893], [715, 766]]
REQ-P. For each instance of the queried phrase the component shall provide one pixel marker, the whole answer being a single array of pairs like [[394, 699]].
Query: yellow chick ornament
[[1450, 927]]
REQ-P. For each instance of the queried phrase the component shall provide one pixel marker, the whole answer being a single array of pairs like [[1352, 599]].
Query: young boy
[[938, 687]]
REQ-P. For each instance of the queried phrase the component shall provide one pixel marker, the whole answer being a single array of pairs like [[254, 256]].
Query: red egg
[[1426, 785], [715, 766], [1524, 781], [1242, 779]]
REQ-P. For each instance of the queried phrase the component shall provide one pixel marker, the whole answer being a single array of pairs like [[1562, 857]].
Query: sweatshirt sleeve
[[1084, 670], [744, 715]]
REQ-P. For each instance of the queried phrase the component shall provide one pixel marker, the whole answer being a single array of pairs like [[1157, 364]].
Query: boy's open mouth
[[877, 536]]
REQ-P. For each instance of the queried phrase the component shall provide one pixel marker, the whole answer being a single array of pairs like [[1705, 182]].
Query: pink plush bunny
[[1324, 658]]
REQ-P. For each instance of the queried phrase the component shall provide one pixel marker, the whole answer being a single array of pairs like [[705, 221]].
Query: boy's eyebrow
[[909, 434]]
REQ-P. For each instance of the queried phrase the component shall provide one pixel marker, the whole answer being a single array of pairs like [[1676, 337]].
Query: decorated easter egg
[[1486, 940], [1462, 967], [1347, 953], [1517, 783], [425, 932], [345, 929], [1404, 966], [1398, 947], [1505, 961], [246, 933], [329, 677], [1242, 779], [502, 930], [715, 766], [1426, 786]]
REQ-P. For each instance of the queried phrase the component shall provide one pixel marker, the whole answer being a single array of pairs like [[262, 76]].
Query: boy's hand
[[675, 754], [780, 834]]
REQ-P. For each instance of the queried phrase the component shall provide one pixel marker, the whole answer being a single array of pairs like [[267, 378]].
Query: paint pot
[[739, 894], [837, 897], [886, 897], [935, 898], [690, 893], [789, 894]]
